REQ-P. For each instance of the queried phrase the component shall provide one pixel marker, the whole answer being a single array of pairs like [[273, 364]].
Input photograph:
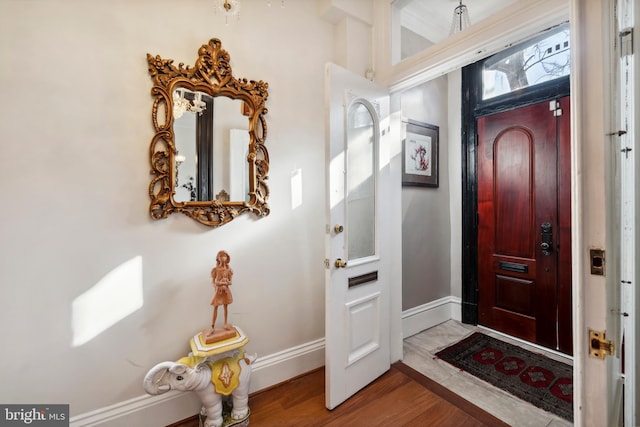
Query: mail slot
[[513, 266], [362, 279]]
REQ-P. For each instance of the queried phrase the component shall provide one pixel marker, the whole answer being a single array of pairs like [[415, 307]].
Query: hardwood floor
[[401, 397]]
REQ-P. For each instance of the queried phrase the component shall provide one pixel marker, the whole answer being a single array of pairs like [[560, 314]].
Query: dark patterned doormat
[[544, 382]]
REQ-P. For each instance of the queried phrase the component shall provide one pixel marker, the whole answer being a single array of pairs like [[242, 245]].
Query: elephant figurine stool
[[210, 378]]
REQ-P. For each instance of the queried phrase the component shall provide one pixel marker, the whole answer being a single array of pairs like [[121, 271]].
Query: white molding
[[278, 367], [267, 371], [508, 26], [287, 355], [164, 409], [417, 319], [175, 406]]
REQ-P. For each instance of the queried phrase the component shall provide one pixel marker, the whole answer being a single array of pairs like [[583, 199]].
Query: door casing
[[591, 90]]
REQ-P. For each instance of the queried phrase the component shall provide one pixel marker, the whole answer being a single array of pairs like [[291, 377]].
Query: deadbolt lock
[[597, 261], [546, 244]]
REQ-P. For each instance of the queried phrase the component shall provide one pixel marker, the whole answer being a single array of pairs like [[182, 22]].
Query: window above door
[[540, 60]]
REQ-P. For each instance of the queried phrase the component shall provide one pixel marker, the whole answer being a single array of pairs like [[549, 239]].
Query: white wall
[[74, 175], [593, 207]]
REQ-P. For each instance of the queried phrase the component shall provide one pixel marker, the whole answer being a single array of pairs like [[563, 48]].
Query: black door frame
[[474, 107]]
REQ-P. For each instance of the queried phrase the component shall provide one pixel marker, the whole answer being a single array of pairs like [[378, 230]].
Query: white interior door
[[357, 267]]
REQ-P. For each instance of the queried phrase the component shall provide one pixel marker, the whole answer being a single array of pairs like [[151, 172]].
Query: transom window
[[543, 59]]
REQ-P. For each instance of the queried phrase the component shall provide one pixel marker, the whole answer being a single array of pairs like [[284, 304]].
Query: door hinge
[[626, 42], [599, 346], [554, 107], [621, 313]]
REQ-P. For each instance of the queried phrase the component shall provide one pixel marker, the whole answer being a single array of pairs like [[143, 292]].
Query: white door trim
[[482, 39], [626, 119], [490, 37]]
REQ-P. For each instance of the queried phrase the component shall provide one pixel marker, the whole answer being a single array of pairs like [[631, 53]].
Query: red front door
[[524, 224]]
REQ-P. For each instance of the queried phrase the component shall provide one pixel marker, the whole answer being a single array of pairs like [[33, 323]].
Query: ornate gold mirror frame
[[210, 75]]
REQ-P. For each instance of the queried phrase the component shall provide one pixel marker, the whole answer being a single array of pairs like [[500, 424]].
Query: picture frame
[[420, 149]]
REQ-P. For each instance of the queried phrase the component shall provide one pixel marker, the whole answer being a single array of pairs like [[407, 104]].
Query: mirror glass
[[208, 157], [212, 143]]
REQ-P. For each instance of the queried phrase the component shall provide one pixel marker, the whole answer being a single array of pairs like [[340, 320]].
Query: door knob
[[338, 228], [340, 263]]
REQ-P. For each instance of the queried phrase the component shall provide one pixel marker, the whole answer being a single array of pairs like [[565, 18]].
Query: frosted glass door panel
[[361, 180]]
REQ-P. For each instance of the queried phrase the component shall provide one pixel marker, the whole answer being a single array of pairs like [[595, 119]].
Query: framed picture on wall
[[420, 154]]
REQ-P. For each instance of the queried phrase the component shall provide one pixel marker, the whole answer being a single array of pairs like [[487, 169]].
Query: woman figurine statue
[[221, 275]]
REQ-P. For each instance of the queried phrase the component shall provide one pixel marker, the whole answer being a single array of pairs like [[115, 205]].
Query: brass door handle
[[338, 228], [339, 263]]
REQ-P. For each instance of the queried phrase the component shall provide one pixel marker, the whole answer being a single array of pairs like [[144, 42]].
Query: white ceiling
[[432, 18]]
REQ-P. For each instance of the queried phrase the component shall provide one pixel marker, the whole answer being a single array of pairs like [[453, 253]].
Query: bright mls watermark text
[[34, 415]]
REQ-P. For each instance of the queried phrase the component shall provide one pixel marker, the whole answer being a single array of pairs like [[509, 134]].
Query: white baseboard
[[175, 406], [269, 370], [281, 366], [428, 315], [144, 410]]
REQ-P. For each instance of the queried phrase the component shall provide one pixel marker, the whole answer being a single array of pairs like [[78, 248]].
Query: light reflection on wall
[[385, 150], [114, 297], [296, 188], [337, 169]]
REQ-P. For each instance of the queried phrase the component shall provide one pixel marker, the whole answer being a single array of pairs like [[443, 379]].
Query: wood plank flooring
[[400, 397]]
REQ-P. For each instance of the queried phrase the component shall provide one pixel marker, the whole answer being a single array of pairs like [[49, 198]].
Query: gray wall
[[426, 223]]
